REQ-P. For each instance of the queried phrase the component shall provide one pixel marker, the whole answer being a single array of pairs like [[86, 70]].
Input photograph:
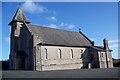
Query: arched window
[[45, 54], [59, 54], [101, 54], [71, 54], [81, 51]]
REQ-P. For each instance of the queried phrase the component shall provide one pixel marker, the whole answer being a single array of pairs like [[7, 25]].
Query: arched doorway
[[20, 60]]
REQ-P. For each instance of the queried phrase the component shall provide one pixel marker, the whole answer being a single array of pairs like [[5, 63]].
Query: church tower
[[17, 22], [16, 25]]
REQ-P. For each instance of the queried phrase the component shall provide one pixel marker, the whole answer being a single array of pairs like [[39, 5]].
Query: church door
[[21, 63]]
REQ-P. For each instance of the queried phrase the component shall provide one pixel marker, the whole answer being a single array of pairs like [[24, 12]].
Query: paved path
[[81, 73]]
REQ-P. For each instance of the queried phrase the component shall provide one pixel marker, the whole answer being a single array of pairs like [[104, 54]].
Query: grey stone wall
[[109, 59], [105, 60], [53, 63], [95, 62], [102, 59]]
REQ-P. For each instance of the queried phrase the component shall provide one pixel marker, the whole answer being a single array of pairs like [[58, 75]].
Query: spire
[[19, 17]]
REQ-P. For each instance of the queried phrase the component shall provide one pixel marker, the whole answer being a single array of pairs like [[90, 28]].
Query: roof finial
[[79, 29]]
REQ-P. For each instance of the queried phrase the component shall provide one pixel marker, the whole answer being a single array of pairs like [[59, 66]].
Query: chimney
[[105, 43]]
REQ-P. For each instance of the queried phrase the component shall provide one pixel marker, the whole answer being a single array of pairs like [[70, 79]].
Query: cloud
[[62, 24], [113, 41], [93, 39], [7, 39], [51, 26], [114, 45], [53, 18], [70, 26], [32, 7]]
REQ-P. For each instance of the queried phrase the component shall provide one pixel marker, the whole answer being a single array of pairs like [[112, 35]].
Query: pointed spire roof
[[19, 17]]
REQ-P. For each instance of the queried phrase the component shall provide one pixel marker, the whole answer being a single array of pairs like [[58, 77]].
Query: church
[[40, 48]]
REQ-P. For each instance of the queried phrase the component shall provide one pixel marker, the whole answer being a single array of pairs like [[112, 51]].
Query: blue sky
[[96, 20]]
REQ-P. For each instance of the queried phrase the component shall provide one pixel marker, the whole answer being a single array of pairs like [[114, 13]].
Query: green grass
[[116, 61]]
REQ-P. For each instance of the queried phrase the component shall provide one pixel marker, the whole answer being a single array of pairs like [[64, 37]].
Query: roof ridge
[[52, 28]]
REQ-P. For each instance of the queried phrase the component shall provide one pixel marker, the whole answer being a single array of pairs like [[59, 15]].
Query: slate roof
[[53, 36], [19, 16], [99, 48]]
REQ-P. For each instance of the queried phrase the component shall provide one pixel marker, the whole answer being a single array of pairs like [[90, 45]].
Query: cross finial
[[79, 29]]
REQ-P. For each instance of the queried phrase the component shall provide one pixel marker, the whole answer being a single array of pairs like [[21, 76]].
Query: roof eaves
[[42, 43]]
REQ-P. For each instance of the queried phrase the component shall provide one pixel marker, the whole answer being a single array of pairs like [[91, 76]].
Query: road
[[79, 73]]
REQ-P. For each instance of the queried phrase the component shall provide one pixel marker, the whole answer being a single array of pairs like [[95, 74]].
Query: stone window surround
[[71, 54], [59, 55], [45, 54]]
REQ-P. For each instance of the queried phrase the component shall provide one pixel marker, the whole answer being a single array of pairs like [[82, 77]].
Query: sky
[[97, 20]]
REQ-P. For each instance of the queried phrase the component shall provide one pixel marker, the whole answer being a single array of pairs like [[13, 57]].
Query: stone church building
[[41, 48]]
